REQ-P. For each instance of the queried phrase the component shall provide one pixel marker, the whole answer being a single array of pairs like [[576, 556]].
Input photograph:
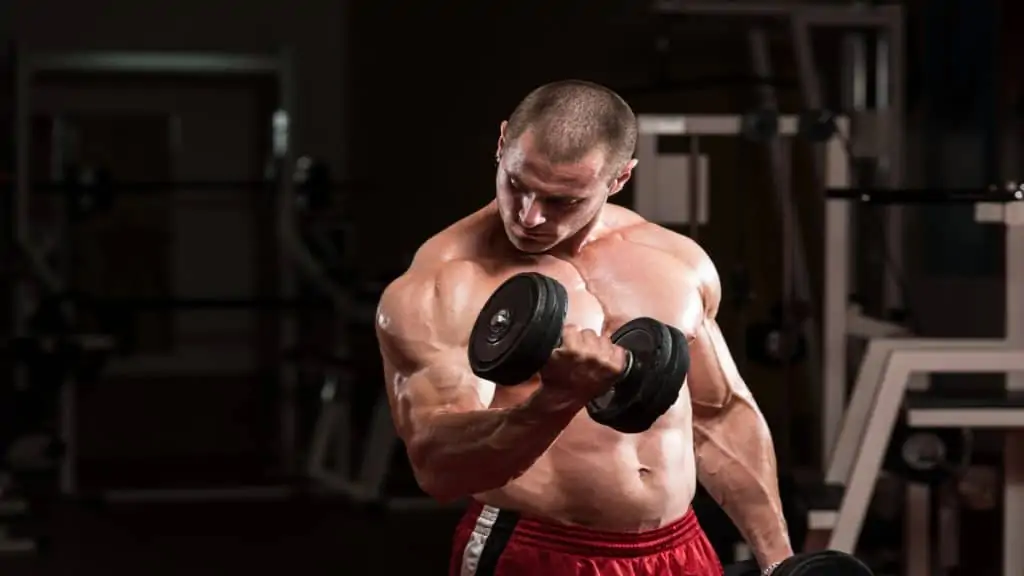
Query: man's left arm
[[735, 454]]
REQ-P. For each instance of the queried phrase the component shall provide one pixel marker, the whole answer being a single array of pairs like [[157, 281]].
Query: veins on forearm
[[736, 464]]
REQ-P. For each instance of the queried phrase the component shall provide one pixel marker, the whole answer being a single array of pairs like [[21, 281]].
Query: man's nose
[[530, 215]]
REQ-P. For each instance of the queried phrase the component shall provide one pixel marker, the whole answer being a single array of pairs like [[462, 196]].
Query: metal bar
[[890, 83], [20, 200], [21, 301], [966, 418], [917, 530], [17, 546], [234, 494], [334, 415], [705, 8], [947, 196], [797, 275], [835, 300], [693, 165], [833, 16], [287, 281], [190, 63], [810, 84], [855, 77], [854, 96], [154, 187], [1013, 447], [705, 125], [379, 447], [645, 180]]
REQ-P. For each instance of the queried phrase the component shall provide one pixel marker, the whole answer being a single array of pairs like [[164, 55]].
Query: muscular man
[[553, 492]]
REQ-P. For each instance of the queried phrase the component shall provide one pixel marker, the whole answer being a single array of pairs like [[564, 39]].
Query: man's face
[[543, 204]]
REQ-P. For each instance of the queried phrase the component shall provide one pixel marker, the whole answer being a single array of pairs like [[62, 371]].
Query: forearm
[[736, 464], [464, 453]]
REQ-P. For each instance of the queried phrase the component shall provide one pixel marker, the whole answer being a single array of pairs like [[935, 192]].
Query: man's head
[[567, 147]]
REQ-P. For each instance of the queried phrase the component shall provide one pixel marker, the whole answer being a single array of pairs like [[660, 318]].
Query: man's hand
[[585, 366]]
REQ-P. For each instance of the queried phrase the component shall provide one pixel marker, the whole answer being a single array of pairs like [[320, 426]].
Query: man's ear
[[623, 176], [501, 140]]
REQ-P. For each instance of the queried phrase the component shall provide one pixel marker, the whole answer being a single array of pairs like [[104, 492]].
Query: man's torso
[[592, 475]]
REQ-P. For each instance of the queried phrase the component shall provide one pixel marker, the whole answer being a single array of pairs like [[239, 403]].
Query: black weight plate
[[825, 563], [623, 408], [518, 327], [558, 307], [745, 568], [664, 393]]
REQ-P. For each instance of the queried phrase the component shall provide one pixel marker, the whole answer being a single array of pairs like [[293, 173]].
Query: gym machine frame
[[801, 19], [292, 252], [854, 451], [893, 365]]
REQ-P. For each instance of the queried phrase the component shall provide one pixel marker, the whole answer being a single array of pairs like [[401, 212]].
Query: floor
[[309, 538]]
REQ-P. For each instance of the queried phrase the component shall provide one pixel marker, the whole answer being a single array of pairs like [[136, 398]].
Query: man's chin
[[531, 245]]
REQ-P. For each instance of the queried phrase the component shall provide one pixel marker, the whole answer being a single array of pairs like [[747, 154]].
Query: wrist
[[549, 401], [769, 569]]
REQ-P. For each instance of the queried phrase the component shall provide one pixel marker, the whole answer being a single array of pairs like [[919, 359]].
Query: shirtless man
[[555, 493]]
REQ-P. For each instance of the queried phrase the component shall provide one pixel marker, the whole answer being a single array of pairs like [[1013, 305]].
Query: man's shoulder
[[659, 237], [445, 274], [681, 247], [461, 241]]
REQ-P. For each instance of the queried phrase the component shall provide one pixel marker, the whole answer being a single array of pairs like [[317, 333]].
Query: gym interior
[[205, 201]]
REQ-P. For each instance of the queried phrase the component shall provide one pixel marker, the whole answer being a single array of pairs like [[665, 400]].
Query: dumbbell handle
[[625, 371]]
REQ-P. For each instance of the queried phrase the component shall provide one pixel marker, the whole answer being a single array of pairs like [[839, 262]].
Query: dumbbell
[[823, 563], [521, 324]]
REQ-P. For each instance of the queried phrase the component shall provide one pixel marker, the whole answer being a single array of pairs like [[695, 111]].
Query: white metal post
[[838, 254], [1013, 453]]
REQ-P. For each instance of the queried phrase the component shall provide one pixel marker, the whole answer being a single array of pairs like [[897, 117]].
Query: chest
[[612, 284]]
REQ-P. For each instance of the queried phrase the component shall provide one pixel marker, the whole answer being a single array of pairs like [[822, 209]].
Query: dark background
[[404, 99]]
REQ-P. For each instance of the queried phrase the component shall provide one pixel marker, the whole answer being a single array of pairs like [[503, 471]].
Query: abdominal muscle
[[595, 477]]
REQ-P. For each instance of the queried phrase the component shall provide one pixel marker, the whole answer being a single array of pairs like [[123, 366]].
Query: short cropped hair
[[570, 118]]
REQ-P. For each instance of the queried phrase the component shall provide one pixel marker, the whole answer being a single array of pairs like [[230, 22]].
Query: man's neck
[[572, 246]]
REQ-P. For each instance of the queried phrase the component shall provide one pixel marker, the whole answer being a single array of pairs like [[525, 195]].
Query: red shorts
[[493, 542]]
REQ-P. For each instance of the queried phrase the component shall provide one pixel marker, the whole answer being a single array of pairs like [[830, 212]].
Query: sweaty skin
[[532, 447]]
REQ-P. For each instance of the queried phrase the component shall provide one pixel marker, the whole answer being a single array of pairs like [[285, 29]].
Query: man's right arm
[[457, 445]]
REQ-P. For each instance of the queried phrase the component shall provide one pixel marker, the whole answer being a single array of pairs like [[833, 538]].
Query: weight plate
[[517, 329], [824, 563], [653, 382]]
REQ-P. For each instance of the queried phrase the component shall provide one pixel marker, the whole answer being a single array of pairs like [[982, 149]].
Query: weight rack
[[293, 256]]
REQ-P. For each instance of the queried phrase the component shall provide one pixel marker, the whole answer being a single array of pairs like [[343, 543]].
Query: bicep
[[426, 364], [442, 383]]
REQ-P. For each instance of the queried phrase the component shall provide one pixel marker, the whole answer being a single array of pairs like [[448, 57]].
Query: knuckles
[[585, 346]]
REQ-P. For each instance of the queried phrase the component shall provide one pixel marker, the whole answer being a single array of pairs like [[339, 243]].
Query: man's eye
[[565, 202]]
